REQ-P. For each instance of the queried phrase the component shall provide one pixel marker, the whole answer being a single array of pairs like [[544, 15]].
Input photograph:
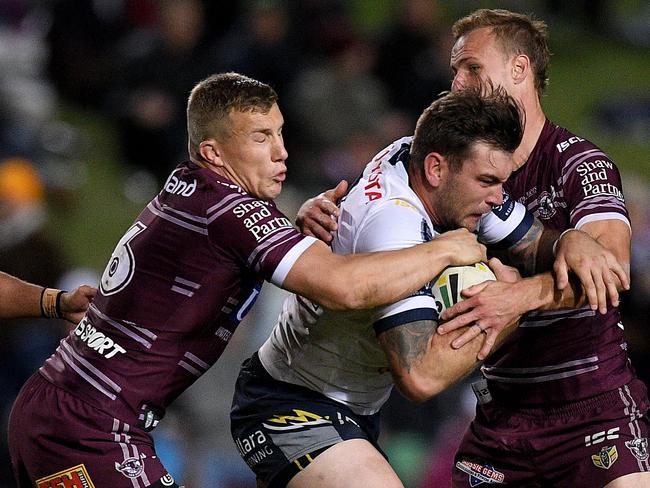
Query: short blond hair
[[212, 99], [517, 33]]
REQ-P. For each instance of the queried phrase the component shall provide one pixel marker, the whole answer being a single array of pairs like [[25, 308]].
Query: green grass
[[585, 71]]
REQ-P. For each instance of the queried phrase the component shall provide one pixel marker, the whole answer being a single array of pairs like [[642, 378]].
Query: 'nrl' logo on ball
[[131, 467]]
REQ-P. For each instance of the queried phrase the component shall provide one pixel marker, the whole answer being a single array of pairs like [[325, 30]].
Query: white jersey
[[337, 353]]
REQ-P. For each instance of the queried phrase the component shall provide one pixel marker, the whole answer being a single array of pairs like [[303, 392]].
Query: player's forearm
[[424, 363], [534, 251], [454, 364], [19, 298], [358, 281], [444, 366], [376, 279], [540, 293]]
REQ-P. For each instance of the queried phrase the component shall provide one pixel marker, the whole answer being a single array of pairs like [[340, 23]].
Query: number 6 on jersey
[[120, 268]]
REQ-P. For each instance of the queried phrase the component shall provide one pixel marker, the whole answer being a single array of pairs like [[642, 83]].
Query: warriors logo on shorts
[[75, 477], [606, 457]]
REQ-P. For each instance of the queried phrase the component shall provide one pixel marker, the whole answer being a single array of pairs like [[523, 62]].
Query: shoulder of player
[[568, 153], [383, 183], [217, 201], [567, 147], [396, 216]]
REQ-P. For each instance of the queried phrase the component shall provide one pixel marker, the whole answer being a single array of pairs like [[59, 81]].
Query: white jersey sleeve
[[397, 224], [505, 225]]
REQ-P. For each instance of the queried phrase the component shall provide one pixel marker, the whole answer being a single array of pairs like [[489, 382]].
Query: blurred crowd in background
[[92, 120]]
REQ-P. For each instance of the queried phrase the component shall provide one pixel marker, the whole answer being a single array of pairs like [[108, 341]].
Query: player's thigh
[[280, 429], [634, 480], [348, 464], [609, 442], [55, 436]]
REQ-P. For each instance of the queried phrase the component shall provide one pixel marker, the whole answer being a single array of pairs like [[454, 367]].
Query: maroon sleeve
[[253, 231], [592, 187]]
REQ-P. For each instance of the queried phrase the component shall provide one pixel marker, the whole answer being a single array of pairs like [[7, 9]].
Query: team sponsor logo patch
[[300, 419], [75, 477], [480, 473], [258, 219], [605, 458], [179, 187], [131, 467], [167, 480], [638, 447]]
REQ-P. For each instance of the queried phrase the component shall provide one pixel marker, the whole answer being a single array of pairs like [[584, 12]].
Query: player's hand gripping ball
[[454, 279]]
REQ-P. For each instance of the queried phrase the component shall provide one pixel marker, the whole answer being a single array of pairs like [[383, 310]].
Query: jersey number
[[121, 266]]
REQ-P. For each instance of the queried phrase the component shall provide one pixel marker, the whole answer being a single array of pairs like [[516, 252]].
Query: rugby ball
[[454, 279]]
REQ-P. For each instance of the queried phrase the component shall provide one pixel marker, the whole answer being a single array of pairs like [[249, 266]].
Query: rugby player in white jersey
[[305, 411]]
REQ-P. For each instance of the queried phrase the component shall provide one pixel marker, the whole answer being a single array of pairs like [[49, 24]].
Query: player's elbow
[[344, 300], [419, 388], [348, 294]]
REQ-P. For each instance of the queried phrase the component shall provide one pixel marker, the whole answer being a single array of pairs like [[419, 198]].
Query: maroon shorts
[[586, 443], [58, 440]]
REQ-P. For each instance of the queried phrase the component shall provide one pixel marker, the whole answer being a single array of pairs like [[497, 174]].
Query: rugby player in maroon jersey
[[177, 285], [561, 404], [567, 408]]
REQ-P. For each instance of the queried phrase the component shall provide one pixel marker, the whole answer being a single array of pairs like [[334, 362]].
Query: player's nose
[[495, 197], [279, 151], [458, 83]]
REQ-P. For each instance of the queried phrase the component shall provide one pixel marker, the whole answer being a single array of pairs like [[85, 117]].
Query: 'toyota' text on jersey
[[177, 285]]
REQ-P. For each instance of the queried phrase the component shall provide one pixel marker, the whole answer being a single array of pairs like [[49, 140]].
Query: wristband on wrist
[[560, 237], [51, 303], [41, 302]]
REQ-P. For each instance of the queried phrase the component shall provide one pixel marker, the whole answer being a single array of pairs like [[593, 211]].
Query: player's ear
[[520, 68], [209, 151], [434, 167]]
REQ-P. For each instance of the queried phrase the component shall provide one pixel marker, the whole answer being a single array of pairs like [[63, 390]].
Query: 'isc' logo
[[599, 437], [565, 144]]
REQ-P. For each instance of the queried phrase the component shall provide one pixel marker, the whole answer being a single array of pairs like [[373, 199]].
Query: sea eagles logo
[[638, 447], [546, 208], [131, 467]]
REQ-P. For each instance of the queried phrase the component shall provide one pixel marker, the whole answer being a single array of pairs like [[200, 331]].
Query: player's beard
[[452, 210]]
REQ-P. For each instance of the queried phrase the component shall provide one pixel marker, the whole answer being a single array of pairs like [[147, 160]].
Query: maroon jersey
[[176, 287], [564, 355]]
